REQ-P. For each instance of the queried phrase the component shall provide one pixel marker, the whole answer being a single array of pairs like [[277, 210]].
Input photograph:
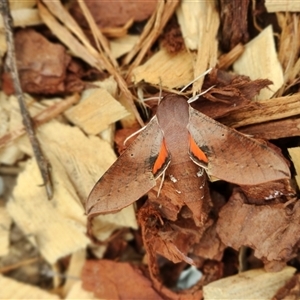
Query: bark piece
[[261, 64], [234, 19], [263, 111], [115, 14], [41, 64], [290, 291], [274, 130], [253, 284], [113, 280]]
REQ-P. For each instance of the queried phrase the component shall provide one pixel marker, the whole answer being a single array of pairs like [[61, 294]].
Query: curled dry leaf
[[271, 230], [114, 280]]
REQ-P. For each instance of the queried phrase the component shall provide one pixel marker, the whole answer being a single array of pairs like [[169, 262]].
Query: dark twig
[[43, 164]]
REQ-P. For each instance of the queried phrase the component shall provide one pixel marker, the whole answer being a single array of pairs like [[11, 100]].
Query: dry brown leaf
[[253, 284], [77, 292], [271, 230], [258, 64], [113, 280]]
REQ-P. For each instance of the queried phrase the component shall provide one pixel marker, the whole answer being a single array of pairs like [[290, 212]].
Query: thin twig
[[43, 164]]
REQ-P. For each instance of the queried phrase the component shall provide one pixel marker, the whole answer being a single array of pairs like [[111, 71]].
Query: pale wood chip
[[96, 111], [199, 22], [12, 289], [5, 222], [188, 16], [56, 227], [295, 156], [73, 273], [253, 284], [209, 21], [3, 45], [15, 5], [24, 17], [171, 71], [258, 64], [123, 45], [282, 5]]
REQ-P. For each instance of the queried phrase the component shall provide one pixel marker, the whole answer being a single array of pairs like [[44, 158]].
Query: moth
[[187, 144]]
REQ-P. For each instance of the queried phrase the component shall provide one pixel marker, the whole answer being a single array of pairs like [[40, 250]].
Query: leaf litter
[[80, 86]]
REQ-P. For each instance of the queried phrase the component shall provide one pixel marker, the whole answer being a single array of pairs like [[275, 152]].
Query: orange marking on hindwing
[[161, 159], [196, 151]]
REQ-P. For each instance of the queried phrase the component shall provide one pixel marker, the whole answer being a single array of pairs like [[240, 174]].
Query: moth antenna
[[151, 98], [161, 183], [160, 90], [133, 134], [203, 74], [194, 98]]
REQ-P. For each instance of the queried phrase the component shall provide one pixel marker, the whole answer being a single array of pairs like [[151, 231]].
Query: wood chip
[[258, 64], [295, 156], [56, 227], [16, 5], [253, 284], [24, 17], [96, 111], [74, 271], [12, 289], [123, 45], [282, 5], [170, 71]]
